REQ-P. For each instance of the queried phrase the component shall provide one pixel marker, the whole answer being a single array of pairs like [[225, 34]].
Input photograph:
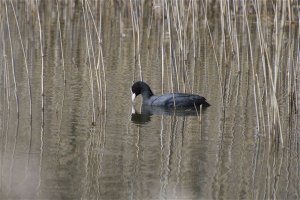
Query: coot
[[167, 100]]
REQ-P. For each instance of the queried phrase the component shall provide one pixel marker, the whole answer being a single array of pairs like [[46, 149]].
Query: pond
[[69, 130]]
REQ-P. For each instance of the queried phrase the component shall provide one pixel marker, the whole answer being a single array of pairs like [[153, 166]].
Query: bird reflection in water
[[147, 111]]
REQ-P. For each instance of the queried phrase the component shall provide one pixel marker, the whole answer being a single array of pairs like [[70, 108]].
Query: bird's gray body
[[175, 100], [171, 100]]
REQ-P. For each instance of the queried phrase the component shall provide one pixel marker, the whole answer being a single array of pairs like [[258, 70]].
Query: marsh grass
[[181, 44], [178, 23], [178, 19]]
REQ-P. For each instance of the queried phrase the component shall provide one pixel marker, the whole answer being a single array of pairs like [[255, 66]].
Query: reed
[[63, 66], [13, 154], [42, 65], [162, 39], [179, 19], [12, 62], [91, 57], [270, 76], [42, 92], [7, 93], [26, 63], [61, 43], [100, 79], [136, 13], [178, 24]]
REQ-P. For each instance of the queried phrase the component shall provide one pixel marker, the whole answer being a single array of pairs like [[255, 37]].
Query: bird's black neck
[[147, 93]]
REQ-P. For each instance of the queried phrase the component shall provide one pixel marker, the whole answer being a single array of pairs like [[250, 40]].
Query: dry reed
[[178, 24]]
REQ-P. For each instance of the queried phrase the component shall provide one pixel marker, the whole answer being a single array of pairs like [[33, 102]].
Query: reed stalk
[[64, 75], [100, 61], [173, 9], [16, 96], [186, 23], [28, 81], [271, 69], [170, 46], [194, 43], [96, 64], [12, 64], [7, 86], [178, 30], [254, 75], [26, 65], [87, 31], [162, 46], [135, 14], [214, 51], [42, 93], [61, 43]]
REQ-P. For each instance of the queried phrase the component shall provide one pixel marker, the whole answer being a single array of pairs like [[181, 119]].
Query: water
[[86, 143]]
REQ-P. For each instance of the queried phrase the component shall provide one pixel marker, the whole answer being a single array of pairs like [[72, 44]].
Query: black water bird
[[171, 100]]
